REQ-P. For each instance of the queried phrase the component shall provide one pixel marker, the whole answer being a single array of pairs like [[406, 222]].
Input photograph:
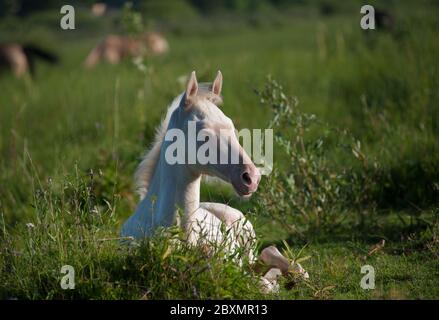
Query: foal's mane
[[146, 168]]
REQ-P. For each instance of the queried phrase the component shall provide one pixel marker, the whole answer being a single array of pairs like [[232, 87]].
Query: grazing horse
[[165, 187], [21, 58], [114, 48]]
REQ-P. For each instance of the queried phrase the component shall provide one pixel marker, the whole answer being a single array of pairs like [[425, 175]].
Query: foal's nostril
[[246, 178]]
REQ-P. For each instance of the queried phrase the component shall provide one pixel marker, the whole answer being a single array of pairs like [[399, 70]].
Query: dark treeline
[[26, 7]]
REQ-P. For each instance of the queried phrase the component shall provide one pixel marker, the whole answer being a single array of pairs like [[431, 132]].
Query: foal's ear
[[192, 86], [217, 83]]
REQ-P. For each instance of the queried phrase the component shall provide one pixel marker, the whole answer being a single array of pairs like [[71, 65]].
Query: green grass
[[67, 122]]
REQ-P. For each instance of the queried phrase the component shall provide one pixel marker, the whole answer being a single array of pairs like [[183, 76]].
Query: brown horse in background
[[20, 59], [115, 48]]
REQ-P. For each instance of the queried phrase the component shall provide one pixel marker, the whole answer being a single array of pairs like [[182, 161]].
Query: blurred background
[[89, 99], [380, 84]]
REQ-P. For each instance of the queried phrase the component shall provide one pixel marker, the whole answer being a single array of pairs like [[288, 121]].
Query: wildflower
[[30, 225]]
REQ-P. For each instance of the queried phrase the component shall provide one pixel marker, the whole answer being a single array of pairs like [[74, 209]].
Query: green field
[[71, 138]]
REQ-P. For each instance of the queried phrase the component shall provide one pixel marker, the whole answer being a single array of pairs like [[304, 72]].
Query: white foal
[[167, 183], [165, 188]]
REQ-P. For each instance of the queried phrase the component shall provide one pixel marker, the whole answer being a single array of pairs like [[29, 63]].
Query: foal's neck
[[175, 188]]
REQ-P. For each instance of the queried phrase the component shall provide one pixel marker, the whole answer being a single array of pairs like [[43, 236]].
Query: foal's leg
[[279, 265], [271, 257], [242, 232]]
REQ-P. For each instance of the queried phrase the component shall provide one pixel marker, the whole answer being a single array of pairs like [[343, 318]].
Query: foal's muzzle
[[246, 180]]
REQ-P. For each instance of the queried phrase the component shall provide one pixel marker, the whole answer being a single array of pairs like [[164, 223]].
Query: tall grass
[[74, 224], [356, 128]]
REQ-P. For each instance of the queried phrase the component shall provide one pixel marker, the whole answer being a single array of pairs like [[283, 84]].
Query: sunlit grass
[[70, 140]]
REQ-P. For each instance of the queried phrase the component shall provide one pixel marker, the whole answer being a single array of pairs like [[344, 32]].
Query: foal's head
[[217, 147]]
